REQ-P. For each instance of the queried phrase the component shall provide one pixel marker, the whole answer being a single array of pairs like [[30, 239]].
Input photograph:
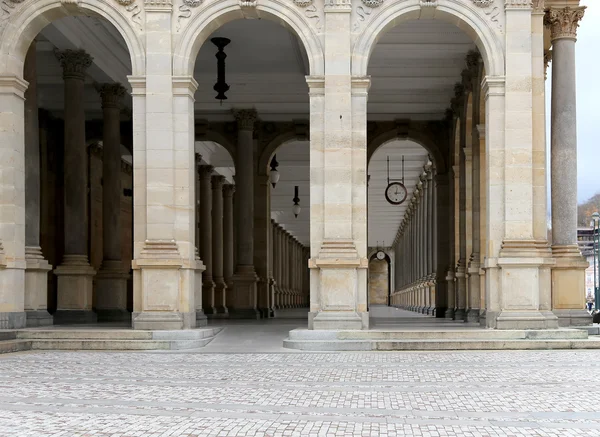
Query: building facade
[[452, 89]]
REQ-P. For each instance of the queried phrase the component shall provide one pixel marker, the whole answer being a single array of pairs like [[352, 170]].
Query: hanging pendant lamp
[[221, 86]]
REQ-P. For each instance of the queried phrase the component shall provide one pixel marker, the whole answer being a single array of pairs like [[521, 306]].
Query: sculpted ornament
[[483, 3], [131, 6], [564, 22], [185, 10], [303, 3], [372, 3]]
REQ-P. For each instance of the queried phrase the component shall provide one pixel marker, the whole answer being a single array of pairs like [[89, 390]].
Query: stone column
[[244, 301], [262, 242], [75, 275], [228, 244], [568, 275], [36, 272], [461, 277], [277, 261], [206, 243], [201, 318], [474, 266], [111, 281], [217, 245]]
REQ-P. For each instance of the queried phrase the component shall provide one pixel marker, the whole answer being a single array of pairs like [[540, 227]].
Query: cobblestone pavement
[[114, 394]]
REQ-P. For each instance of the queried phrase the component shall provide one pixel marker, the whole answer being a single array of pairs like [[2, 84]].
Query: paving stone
[[154, 394]]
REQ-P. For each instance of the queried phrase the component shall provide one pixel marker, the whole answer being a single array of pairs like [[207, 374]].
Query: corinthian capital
[[563, 22], [73, 62], [111, 94], [245, 118]]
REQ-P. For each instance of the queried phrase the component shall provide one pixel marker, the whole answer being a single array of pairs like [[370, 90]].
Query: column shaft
[[74, 300], [206, 253], [217, 182]]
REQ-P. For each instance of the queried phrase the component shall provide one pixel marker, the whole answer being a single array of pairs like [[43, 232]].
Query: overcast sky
[[588, 102]]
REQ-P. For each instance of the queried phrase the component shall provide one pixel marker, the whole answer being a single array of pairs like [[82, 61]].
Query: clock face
[[396, 193], [380, 255]]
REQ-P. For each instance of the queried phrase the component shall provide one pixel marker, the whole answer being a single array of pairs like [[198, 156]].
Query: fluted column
[[75, 275], [111, 281], [262, 243], [474, 265], [228, 243], [36, 272], [206, 253], [244, 302], [217, 182], [568, 275]]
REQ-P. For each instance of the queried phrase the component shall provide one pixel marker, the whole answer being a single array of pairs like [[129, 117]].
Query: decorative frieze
[[303, 3], [564, 22], [372, 3], [483, 3], [518, 4]]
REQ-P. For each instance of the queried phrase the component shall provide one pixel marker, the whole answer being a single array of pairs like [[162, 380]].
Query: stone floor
[[245, 384]]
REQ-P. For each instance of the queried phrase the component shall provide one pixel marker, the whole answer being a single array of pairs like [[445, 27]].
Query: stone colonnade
[[529, 282], [290, 259], [414, 248]]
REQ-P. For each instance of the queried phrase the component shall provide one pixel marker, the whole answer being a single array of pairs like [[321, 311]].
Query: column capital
[[73, 62], [205, 171], [217, 182], [563, 22], [245, 118], [111, 94], [228, 190]]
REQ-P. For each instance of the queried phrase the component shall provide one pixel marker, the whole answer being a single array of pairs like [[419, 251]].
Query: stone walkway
[[104, 394]]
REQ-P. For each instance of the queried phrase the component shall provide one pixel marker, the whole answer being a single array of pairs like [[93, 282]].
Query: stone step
[[437, 345], [6, 334], [439, 334], [115, 334], [8, 346], [122, 345]]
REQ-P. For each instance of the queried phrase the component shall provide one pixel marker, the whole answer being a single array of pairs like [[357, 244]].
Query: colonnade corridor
[[169, 165]]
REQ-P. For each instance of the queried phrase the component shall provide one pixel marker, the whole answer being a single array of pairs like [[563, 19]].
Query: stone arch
[[30, 17], [269, 150], [417, 137], [462, 14], [202, 25], [220, 139]]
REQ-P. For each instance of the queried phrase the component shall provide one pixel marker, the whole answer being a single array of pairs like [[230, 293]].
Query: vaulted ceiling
[[413, 70]]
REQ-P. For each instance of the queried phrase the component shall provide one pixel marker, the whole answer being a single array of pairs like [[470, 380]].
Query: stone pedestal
[[111, 292], [36, 289], [75, 291], [244, 294]]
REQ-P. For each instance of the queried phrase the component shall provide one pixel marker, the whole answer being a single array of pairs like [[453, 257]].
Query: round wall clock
[[396, 193], [380, 255]]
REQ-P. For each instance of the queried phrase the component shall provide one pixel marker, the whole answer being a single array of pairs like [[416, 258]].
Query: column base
[[151, 321], [472, 315], [334, 320], [75, 317], [36, 288], [201, 319], [573, 317], [37, 318], [568, 286], [220, 291], [483, 319], [13, 320], [75, 289], [111, 293], [244, 299], [208, 298], [460, 314], [531, 319]]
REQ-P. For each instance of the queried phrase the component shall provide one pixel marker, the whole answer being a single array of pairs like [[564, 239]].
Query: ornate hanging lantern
[[296, 200], [273, 173], [221, 86]]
